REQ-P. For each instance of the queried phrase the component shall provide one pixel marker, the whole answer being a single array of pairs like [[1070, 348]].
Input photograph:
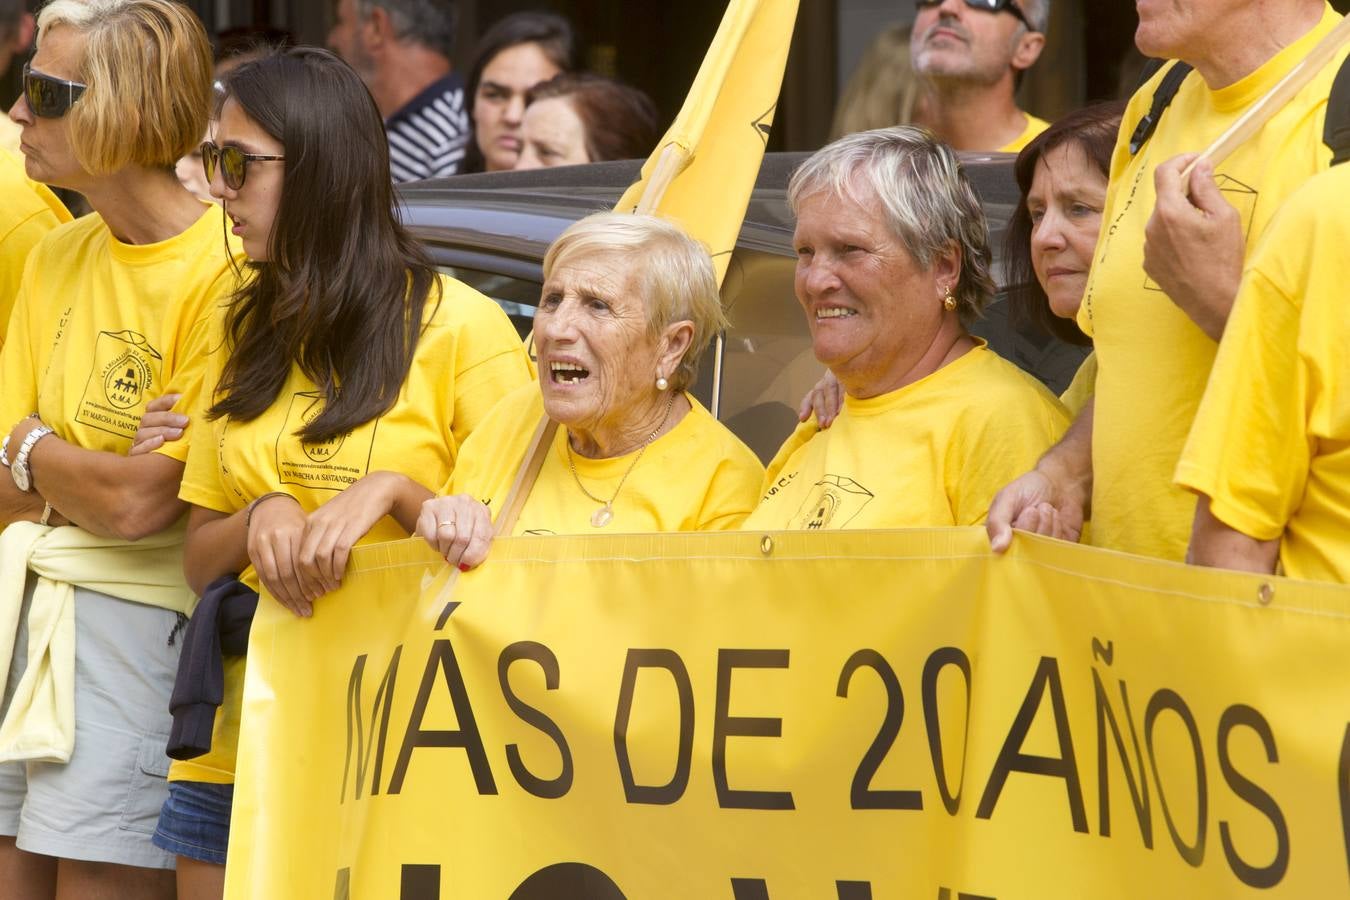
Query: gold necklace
[[605, 514]]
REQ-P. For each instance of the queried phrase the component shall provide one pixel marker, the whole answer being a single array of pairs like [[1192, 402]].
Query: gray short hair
[[675, 275], [925, 196], [432, 23], [1037, 13]]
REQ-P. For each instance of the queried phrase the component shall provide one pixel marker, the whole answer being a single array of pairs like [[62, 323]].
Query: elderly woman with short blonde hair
[[892, 266], [629, 304]]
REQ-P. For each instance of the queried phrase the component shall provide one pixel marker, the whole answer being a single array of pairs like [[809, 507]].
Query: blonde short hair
[[674, 274], [147, 67]]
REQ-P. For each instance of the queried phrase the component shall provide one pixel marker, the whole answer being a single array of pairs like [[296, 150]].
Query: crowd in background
[[191, 420]]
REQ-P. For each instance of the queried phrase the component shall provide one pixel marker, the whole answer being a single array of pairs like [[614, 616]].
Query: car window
[[518, 297]]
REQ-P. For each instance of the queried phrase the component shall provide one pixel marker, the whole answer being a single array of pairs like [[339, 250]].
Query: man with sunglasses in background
[[970, 56]]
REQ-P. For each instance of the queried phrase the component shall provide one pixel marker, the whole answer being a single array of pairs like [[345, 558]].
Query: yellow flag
[[702, 172]]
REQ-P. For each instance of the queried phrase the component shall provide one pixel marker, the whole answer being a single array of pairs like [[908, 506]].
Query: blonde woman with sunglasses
[[110, 315]]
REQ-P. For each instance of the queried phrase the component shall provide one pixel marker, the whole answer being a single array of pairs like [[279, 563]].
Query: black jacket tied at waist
[[218, 626]]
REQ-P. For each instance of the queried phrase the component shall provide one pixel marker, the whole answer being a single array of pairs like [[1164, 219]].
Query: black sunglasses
[[48, 97], [993, 6], [233, 163]]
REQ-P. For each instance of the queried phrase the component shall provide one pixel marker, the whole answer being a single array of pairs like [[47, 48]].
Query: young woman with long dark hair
[[344, 374], [515, 54]]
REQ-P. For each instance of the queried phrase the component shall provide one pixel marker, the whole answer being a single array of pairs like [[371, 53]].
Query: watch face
[[20, 472]]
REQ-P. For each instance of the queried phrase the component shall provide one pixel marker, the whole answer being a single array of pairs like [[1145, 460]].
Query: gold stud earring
[[949, 302], [662, 384]]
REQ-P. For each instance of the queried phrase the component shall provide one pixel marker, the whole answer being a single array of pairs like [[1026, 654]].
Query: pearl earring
[[661, 383]]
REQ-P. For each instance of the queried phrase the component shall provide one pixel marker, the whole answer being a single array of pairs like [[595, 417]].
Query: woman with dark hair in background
[[342, 378], [514, 55], [579, 118], [1052, 237]]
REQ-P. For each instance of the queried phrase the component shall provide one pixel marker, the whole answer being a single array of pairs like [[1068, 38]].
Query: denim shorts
[[195, 821]]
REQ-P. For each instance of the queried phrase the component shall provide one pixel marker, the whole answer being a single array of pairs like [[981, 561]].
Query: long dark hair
[[344, 289], [1092, 128], [554, 36], [620, 121]]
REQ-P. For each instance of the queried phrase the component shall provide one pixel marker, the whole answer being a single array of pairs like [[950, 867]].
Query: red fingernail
[[463, 568]]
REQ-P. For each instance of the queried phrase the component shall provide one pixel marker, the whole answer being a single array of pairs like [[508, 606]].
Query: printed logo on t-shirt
[[330, 465], [126, 368], [1242, 197], [834, 501]]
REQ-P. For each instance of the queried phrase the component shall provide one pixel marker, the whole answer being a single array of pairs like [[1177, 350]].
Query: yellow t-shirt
[[467, 358], [932, 453], [101, 327], [1034, 127], [696, 477], [29, 210], [1080, 390], [1271, 443], [1153, 361]]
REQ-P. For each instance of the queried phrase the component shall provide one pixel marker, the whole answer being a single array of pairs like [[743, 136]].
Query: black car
[[492, 230]]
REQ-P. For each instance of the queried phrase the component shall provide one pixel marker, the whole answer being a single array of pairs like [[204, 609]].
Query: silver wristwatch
[[23, 478], [4, 444]]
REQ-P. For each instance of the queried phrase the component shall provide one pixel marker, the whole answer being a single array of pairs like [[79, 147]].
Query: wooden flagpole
[[1260, 112]]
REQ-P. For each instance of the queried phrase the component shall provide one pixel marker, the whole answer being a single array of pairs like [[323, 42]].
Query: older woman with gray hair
[[892, 265], [629, 304]]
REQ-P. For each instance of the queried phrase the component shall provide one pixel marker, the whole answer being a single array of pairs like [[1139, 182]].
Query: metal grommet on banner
[[766, 545], [1265, 593]]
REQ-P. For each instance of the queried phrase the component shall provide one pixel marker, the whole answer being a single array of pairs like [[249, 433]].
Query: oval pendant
[[602, 516]]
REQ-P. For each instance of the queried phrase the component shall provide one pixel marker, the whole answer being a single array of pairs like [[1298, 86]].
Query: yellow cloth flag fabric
[[796, 715], [723, 128], [39, 723], [717, 141]]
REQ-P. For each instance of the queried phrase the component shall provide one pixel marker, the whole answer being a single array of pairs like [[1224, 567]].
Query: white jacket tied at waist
[[40, 721]]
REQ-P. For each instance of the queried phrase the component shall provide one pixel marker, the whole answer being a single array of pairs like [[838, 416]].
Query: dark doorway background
[[658, 47]]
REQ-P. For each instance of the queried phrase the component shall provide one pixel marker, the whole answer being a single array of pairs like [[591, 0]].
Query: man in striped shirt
[[401, 49]]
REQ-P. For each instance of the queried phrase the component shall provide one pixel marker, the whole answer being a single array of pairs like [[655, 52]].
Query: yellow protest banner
[[845, 715]]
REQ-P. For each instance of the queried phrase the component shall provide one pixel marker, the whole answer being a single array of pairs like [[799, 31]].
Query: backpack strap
[[1162, 98], [1336, 131], [1152, 66]]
